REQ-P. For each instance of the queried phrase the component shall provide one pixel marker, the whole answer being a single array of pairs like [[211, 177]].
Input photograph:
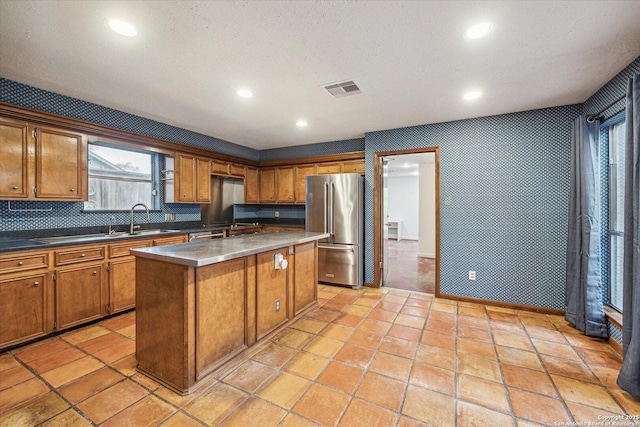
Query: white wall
[[427, 209], [402, 204]]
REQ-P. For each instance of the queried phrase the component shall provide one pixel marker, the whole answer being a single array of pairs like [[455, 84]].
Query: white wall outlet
[[276, 214], [277, 305], [169, 217], [472, 275]]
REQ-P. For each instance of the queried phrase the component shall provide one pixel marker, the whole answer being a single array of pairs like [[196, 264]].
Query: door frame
[[377, 202]]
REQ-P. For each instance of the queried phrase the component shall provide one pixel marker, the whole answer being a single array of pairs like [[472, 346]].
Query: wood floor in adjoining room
[[367, 357], [408, 271]]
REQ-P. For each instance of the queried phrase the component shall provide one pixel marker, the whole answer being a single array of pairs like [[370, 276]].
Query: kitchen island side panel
[[165, 296]]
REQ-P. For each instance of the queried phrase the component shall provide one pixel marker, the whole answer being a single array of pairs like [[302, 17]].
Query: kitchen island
[[200, 305]]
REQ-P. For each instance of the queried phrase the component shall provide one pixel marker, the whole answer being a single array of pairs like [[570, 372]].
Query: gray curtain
[[629, 378], [583, 288]]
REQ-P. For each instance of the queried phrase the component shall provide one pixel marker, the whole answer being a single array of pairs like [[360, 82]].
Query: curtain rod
[[592, 117]]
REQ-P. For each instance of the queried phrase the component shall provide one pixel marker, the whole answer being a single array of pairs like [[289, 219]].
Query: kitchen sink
[[99, 236], [78, 238], [153, 231]]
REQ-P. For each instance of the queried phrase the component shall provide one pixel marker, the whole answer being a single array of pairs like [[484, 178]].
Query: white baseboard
[[426, 255]]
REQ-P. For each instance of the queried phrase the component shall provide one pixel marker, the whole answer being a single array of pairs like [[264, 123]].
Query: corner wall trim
[[524, 307]]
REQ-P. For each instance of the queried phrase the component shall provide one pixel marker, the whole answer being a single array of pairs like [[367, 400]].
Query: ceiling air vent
[[342, 89]]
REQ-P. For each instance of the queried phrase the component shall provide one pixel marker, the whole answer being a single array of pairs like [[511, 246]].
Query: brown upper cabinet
[[192, 180], [353, 166], [267, 185], [237, 170], [219, 167], [301, 181], [251, 188], [41, 162], [324, 168], [285, 184]]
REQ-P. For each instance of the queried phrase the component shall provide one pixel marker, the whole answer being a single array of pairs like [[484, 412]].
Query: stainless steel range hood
[[225, 192]]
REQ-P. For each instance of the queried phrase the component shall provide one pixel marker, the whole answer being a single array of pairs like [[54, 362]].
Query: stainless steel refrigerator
[[335, 205]]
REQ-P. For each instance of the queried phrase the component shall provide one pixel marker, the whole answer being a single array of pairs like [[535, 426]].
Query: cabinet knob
[[15, 187], [72, 190], [95, 272], [83, 255], [35, 284], [20, 263]]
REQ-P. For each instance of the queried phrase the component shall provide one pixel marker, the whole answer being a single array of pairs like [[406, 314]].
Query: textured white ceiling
[[409, 58]]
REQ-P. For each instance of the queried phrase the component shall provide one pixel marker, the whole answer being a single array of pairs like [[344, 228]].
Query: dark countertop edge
[[29, 244], [292, 238], [14, 241]]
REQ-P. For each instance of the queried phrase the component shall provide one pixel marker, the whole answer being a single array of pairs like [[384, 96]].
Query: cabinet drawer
[[122, 249], [24, 262], [74, 255], [170, 240], [237, 170], [219, 167]]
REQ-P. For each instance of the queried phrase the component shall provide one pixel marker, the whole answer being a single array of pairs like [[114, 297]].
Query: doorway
[[407, 219]]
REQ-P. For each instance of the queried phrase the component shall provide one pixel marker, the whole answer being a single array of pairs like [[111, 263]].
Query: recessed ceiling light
[[244, 93], [121, 27], [301, 123], [479, 30], [472, 95]]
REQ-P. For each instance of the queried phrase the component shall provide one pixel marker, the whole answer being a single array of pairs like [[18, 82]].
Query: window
[[119, 178], [616, 212]]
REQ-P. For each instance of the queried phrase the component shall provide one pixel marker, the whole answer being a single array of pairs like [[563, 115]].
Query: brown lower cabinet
[[45, 291], [191, 321], [79, 295], [23, 308]]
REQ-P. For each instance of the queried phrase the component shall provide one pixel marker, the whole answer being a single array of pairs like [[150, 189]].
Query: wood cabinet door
[[220, 313], [61, 164], [285, 184], [353, 166], [302, 172], [324, 168], [14, 159], [272, 305], [305, 276], [122, 284], [203, 186], [251, 191], [23, 308], [237, 170], [268, 185], [79, 295], [219, 167], [186, 178], [173, 240]]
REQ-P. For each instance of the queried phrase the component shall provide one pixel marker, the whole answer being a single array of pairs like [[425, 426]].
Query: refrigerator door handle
[[326, 206], [333, 211], [338, 248]]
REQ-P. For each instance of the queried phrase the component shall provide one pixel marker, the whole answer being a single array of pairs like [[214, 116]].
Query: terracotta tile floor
[[408, 271], [371, 357]]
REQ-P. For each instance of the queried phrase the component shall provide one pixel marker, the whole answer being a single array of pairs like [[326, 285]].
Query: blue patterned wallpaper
[[310, 150], [16, 93], [503, 202]]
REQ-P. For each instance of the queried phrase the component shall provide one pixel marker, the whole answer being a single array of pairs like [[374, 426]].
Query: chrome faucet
[[132, 227]]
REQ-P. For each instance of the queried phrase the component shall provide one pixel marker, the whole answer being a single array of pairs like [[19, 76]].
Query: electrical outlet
[[169, 217], [276, 214], [472, 275], [277, 305]]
